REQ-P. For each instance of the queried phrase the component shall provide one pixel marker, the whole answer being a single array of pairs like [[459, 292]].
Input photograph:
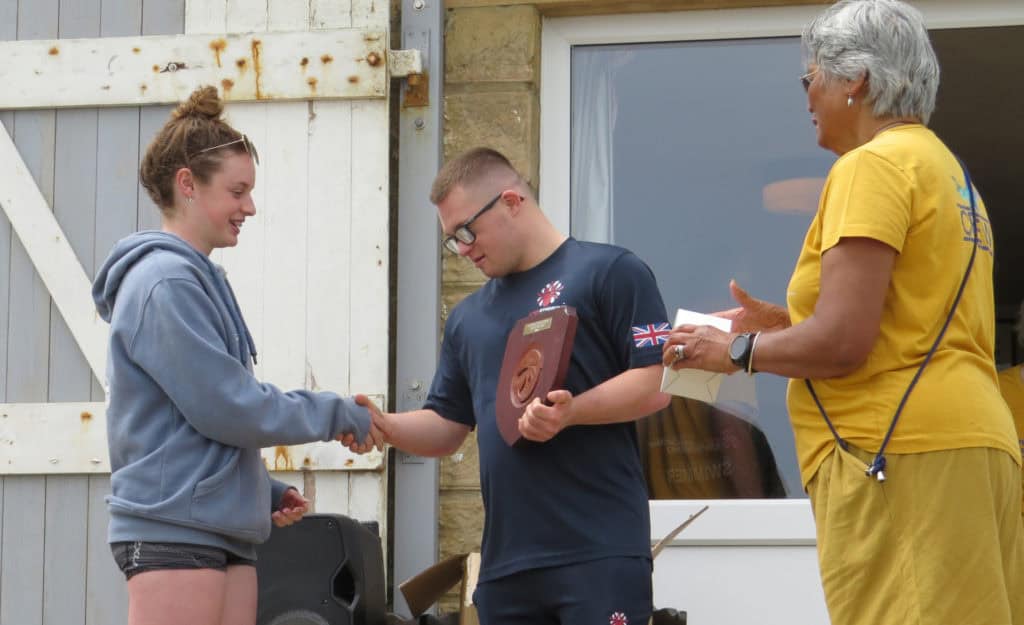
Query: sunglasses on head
[[250, 149]]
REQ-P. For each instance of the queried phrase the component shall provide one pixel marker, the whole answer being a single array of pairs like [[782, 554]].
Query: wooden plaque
[[536, 360]]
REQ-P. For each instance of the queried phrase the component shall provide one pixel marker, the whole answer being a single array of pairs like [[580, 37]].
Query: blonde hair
[[469, 168], [185, 140]]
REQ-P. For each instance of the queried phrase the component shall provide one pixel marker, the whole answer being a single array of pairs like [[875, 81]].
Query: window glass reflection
[[701, 158]]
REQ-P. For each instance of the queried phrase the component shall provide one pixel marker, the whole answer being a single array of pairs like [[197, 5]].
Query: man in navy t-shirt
[[567, 529]]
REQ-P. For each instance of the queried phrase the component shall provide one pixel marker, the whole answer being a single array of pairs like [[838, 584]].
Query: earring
[[188, 198], [849, 99]]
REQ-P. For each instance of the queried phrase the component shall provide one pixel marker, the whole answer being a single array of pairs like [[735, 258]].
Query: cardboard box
[[424, 589]]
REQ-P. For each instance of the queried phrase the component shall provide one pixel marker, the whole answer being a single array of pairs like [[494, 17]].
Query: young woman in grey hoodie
[[191, 497]]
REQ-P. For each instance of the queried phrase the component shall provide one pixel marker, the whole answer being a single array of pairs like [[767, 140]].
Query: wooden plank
[[120, 18], [159, 17], [45, 438], [52, 256], [286, 15], [285, 216], [163, 17], [70, 437], [206, 16], [366, 501], [8, 20], [368, 325], [6, 266], [74, 206], [349, 64], [245, 263], [329, 248], [117, 159], [117, 149], [8, 31], [332, 492], [78, 18], [64, 549], [151, 120], [370, 13], [28, 321], [328, 245], [3, 481], [247, 16], [21, 569], [330, 14], [38, 19], [107, 596]]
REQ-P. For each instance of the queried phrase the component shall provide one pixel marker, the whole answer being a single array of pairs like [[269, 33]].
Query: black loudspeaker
[[327, 569]]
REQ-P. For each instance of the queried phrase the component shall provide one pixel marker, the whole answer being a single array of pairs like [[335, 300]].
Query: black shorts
[[138, 557], [610, 590]]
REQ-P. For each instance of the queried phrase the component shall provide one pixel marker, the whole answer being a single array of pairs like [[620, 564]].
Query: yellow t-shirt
[[1011, 385], [905, 189]]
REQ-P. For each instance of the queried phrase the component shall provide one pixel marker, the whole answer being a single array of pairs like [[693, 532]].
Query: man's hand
[[293, 507], [379, 426], [754, 315], [540, 422]]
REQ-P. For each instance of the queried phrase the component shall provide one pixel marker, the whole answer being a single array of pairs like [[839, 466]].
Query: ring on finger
[[678, 352]]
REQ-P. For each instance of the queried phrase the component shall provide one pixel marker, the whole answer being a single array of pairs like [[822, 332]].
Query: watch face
[[739, 347]]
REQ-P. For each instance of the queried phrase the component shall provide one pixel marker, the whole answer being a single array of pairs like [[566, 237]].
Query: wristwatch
[[741, 349]]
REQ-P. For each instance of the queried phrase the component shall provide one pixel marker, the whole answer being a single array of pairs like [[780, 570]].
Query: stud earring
[[849, 100]]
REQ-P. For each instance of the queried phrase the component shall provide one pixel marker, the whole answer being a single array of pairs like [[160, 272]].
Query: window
[[700, 157]]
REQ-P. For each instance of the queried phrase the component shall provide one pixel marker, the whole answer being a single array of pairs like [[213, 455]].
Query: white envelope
[[695, 383]]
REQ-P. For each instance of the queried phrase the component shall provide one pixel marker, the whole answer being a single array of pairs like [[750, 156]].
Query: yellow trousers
[[940, 542]]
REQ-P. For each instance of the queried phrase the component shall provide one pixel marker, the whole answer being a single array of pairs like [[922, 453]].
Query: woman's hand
[[700, 347], [753, 315], [293, 507]]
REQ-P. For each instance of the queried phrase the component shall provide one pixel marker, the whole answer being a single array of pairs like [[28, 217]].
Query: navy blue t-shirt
[[581, 495]]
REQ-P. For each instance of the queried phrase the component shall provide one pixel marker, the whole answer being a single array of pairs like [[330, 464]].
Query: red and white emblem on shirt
[[550, 293], [618, 619]]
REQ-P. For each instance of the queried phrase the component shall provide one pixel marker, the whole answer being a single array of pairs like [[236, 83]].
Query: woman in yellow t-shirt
[[898, 224]]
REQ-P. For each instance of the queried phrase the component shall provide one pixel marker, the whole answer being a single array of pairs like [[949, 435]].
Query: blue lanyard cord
[[877, 466]]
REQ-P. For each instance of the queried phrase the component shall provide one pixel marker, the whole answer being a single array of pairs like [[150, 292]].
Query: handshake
[[378, 434]]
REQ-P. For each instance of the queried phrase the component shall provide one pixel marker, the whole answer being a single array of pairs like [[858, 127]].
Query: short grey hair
[[884, 40]]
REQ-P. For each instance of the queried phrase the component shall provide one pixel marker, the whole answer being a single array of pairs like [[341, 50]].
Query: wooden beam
[[350, 63], [72, 438], [50, 252], [565, 8]]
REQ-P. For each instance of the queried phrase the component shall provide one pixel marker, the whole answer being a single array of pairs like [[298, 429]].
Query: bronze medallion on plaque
[[536, 360]]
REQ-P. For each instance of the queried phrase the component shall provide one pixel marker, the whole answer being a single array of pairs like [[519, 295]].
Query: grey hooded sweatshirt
[[186, 417]]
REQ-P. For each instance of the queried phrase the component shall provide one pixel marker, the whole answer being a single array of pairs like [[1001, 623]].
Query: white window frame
[[736, 521]]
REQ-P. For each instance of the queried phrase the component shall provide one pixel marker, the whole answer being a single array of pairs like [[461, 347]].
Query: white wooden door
[[308, 82]]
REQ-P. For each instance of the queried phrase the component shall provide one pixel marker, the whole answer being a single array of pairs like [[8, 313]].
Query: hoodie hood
[[133, 248]]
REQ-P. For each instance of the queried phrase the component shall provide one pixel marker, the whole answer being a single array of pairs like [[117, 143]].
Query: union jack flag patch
[[618, 619], [651, 335], [551, 292]]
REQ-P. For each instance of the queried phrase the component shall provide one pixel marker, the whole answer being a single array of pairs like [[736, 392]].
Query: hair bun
[[203, 102]]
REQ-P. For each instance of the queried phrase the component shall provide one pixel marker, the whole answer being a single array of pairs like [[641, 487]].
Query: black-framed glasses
[[463, 234], [807, 79], [250, 149]]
